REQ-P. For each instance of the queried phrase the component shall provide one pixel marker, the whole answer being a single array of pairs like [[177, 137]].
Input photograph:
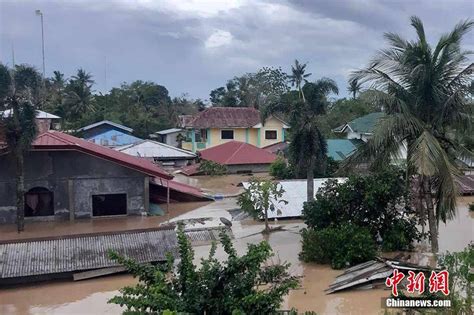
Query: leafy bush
[[212, 168], [341, 246], [239, 285], [260, 197], [377, 202], [471, 207], [280, 169]]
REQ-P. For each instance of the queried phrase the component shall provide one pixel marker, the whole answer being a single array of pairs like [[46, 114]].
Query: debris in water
[[370, 274]]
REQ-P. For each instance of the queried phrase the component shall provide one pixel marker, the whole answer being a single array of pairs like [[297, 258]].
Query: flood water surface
[[91, 296]]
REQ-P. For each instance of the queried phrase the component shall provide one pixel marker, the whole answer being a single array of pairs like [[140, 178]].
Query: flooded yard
[[90, 297]]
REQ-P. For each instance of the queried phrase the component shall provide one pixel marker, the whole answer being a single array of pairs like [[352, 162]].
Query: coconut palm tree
[[298, 77], [308, 148], [18, 97], [354, 88], [79, 98], [424, 91]]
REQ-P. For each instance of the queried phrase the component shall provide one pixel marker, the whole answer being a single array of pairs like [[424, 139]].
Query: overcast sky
[[193, 46]]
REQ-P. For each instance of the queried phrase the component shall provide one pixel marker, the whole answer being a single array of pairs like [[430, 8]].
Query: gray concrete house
[[69, 178]]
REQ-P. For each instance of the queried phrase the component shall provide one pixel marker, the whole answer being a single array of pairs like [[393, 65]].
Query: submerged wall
[[73, 177]]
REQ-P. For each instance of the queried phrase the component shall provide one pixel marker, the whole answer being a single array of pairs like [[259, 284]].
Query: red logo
[[394, 281], [438, 282]]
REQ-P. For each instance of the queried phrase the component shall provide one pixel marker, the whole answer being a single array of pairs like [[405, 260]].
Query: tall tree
[[19, 94], [354, 88], [298, 76], [79, 98], [424, 90], [308, 148]]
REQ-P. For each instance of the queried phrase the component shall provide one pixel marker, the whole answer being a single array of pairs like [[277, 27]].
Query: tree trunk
[[432, 222], [310, 181], [20, 191], [267, 228]]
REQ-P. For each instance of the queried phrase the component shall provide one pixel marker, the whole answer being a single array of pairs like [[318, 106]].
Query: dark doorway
[[110, 204], [39, 201]]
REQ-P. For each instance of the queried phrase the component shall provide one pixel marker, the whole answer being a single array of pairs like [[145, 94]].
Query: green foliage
[[461, 278], [373, 202], [252, 89], [280, 169], [260, 197], [239, 285], [212, 168], [471, 207], [341, 246]]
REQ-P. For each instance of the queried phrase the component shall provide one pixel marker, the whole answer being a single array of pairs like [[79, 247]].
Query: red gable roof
[[235, 152], [55, 140], [224, 117]]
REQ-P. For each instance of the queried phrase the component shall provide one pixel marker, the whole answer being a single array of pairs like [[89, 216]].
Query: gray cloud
[[194, 46]]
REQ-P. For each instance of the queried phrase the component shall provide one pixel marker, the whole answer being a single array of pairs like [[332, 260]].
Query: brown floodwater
[[91, 296]]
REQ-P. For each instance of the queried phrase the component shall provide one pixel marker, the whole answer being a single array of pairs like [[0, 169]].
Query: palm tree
[[18, 96], [424, 91], [308, 147], [79, 98], [354, 88], [298, 76]]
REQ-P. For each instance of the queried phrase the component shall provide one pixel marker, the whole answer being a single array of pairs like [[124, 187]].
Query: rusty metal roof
[[55, 140], [84, 252], [236, 153], [224, 117]]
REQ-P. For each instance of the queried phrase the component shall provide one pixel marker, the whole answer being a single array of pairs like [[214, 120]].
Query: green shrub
[[245, 284], [341, 246], [280, 169], [212, 168], [471, 207], [373, 202]]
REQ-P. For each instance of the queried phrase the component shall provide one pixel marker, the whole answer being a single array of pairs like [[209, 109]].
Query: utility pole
[[38, 12]]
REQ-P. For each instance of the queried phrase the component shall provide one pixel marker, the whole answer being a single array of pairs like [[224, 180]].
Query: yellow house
[[217, 125]]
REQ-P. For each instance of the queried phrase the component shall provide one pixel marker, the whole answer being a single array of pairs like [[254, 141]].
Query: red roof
[[235, 153], [55, 140], [224, 117], [181, 187]]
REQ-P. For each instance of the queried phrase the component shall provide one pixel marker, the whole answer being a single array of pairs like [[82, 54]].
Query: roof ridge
[[241, 144]]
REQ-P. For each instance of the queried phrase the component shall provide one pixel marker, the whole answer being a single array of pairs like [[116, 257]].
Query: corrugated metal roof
[[150, 148], [339, 149], [180, 187], [364, 124], [237, 153], [55, 140], [224, 117], [295, 195], [76, 253], [167, 131], [106, 122], [39, 114]]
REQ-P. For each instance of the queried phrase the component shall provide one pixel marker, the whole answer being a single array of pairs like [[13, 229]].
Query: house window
[[39, 201], [270, 134], [227, 134], [110, 204]]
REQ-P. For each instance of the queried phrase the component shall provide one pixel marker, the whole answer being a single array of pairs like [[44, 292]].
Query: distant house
[[219, 125], [360, 128], [160, 153], [71, 178], [108, 134], [338, 149], [238, 157], [44, 121], [169, 136]]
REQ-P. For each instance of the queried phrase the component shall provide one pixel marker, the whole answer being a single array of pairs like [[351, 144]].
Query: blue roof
[[339, 149]]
